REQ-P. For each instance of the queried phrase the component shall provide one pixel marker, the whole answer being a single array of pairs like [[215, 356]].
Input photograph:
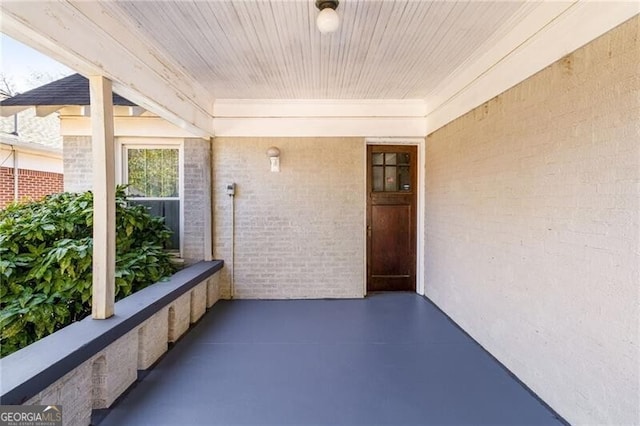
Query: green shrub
[[46, 260]]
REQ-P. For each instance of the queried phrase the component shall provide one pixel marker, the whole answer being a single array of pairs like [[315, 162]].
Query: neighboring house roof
[[45, 131], [71, 90]]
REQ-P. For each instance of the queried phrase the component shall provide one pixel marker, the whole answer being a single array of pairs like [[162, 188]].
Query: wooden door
[[391, 217]]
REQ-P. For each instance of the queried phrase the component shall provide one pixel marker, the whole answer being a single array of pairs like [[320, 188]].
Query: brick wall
[[77, 163], [533, 228], [32, 184], [99, 381], [299, 232], [7, 191], [197, 198]]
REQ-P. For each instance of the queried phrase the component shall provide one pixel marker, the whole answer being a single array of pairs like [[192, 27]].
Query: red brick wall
[[6, 186], [32, 184]]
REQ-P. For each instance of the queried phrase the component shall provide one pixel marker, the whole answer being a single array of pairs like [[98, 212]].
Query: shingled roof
[[71, 90]]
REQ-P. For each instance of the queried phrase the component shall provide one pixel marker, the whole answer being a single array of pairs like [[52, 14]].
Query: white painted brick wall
[[100, 380], [121, 368], [76, 391], [153, 338], [213, 290], [179, 317], [77, 163], [299, 232], [198, 302], [533, 229], [197, 198], [73, 392]]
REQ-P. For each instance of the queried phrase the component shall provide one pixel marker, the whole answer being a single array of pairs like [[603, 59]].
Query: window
[[152, 174], [391, 171]]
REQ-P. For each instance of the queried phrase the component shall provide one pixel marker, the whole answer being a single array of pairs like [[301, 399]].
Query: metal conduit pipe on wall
[[231, 191], [16, 182]]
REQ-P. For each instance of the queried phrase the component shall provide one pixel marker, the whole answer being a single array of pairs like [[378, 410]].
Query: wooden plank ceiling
[[271, 49]]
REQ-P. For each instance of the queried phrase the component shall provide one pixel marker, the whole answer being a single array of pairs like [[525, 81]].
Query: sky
[[21, 65]]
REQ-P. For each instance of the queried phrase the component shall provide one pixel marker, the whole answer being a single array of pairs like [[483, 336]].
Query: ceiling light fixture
[[328, 20]]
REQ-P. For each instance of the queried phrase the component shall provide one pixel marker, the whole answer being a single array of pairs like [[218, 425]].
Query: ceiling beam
[[319, 108], [319, 117], [89, 38]]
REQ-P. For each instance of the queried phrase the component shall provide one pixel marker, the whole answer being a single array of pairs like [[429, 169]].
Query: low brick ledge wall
[[48, 371]]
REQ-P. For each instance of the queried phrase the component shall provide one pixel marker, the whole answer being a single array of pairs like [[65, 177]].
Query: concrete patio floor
[[391, 358]]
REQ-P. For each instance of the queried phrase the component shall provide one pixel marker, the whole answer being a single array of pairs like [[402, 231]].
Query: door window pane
[[390, 179], [404, 179], [378, 179], [378, 158], [390, 158]]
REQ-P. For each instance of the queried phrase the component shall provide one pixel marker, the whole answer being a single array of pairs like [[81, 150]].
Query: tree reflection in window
[[153, 172]]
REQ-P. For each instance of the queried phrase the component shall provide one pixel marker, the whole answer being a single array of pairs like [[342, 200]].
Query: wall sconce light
[[274, 157], [328, 20]]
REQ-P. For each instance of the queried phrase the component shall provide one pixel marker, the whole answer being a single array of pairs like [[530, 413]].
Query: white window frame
[[124, 143]]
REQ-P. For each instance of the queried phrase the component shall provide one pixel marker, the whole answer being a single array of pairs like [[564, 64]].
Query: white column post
[[104, 203]]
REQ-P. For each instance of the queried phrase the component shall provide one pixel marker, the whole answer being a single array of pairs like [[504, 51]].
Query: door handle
[[369, 231]]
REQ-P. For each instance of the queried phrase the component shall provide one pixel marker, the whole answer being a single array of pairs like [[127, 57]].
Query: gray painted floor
[[392, 358]]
